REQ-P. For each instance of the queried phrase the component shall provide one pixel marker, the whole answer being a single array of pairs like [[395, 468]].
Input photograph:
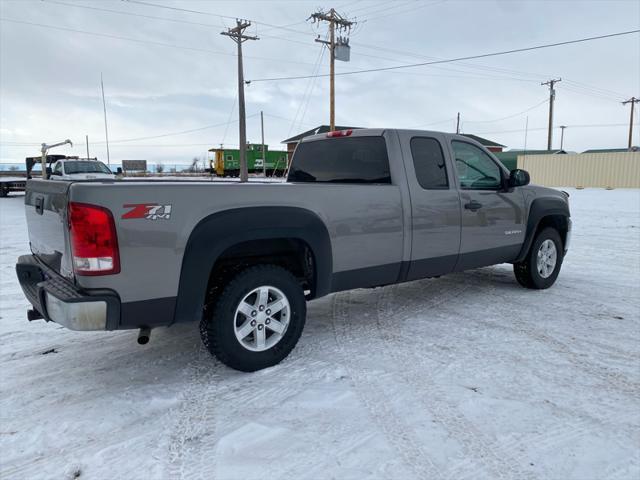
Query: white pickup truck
[[82, 169]]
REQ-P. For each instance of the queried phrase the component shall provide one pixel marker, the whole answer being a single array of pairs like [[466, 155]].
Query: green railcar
[[226, 162]]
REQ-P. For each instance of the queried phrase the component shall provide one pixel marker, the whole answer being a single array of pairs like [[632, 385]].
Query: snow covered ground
[[466, 376]]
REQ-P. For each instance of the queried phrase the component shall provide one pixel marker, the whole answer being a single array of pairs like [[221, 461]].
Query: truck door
[[492, 217], [435, 206]]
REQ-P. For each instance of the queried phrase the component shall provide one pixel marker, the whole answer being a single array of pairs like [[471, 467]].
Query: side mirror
[[48, 172], [519, 178], [119, 171]]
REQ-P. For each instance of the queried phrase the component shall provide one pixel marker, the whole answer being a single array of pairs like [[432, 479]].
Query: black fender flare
[[214, 234], [540, 208]]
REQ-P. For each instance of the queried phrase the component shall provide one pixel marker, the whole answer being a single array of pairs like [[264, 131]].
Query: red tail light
[[339, 133], [94, 243]]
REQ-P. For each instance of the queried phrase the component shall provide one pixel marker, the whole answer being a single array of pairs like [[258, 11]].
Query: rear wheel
[[541, 267], [257, 320]]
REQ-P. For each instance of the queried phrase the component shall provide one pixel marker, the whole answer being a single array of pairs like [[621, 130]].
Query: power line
[[171, 134], [130, 14], [450, 60], [375, 5], [578, 87], [36, 144], [307, 89], [233, 108], [421, 5], [150, 42], [200, 12], [600, 125], [510, 116], [397, 4], [312, 87], [169, 7]]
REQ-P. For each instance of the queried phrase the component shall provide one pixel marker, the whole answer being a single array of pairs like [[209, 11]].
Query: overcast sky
[[50, 78]]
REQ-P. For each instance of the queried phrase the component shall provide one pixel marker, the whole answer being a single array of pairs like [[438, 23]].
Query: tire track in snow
[[478, 447], [614, 381], [194, 421], [371, 391], [191, 452]]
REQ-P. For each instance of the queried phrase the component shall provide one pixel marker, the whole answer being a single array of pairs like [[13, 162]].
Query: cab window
[[341, 160], [57, 169], [428, 161], [476, 169]]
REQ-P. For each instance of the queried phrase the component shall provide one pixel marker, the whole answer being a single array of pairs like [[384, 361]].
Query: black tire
[[4, 191], [217, 330], [527, 272]]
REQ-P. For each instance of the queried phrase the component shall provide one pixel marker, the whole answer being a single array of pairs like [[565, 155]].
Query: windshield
[[85, 167]]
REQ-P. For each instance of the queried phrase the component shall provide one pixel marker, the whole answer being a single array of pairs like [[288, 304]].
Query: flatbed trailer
[[12, 184]]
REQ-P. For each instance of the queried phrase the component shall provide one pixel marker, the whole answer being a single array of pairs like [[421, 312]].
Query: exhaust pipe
[[33, 314], [143, 336]]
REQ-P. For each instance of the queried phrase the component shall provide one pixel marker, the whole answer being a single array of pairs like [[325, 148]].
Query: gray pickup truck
[[360, 208]]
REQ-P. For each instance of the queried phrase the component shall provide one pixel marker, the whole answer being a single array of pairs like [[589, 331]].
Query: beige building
[[603, 170]]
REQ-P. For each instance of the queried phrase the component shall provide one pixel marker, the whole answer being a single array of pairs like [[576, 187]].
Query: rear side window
[[428, 161], [341, 160]]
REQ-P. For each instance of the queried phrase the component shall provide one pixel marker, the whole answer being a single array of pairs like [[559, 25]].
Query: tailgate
[[46, 211]]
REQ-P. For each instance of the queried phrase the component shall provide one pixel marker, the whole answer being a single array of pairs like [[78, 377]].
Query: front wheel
[[257, 320], [541, 267]]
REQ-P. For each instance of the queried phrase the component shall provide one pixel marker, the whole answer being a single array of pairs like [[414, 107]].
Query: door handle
[[473, 205], [39, 205]]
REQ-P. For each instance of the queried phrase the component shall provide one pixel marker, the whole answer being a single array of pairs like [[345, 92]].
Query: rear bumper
[[60, 301]]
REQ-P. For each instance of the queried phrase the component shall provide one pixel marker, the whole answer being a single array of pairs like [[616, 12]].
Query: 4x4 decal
[[150, 211]]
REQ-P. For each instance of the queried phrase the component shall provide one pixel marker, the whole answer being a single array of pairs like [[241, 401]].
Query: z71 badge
[[150, 211]]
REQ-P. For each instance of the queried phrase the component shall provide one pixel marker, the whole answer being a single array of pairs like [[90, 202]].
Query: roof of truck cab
[[368, 132]]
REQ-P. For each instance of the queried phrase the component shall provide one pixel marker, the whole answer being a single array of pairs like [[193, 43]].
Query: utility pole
[[632, 101], [458, 124], [264, 154], [552, 97], [106, 130], [335, 21], [238, 36], [562, 127]]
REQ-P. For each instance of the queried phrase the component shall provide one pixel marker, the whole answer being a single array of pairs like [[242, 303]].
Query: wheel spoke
[[245, 329], [276, 326], [275, 307], [260, 338], [246, 309], [263, 296]]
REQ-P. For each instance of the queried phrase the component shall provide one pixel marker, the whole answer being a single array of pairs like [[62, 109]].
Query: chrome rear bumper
[[60, 301]]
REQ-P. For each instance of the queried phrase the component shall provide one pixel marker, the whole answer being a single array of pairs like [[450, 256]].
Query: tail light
[[339, 133], [94, 243]]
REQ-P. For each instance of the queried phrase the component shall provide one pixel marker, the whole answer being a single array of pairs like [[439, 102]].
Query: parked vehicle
[[80, 169], [360, 208], [11, 184]]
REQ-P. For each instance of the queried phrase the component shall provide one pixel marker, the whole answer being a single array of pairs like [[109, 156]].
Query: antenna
[[106, 130], [526, 131]]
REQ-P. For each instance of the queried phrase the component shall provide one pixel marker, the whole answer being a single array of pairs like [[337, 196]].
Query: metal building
[[600, 169]]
